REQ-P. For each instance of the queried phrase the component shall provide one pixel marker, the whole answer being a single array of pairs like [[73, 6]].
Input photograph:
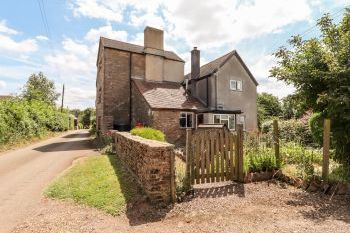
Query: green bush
[[21, 119], [149, 133], [316, 127], [291, 131], [261, 159]]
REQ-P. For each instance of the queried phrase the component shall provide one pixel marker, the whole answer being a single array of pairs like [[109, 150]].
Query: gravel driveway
[[260, 207]]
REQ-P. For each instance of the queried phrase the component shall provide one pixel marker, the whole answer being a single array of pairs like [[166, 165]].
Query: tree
[[319, 68], [268, 107], [39, 87], [292, 107], [87, 116]]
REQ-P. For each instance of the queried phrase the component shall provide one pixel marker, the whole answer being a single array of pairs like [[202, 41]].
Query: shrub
[[316, 127], [21, 119], [149, 133], [261, 159], [291, 131]]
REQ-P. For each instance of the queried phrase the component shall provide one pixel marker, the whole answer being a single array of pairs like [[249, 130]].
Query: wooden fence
[[214, 155]]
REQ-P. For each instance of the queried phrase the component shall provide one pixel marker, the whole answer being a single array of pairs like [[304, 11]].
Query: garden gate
[[214, 155]]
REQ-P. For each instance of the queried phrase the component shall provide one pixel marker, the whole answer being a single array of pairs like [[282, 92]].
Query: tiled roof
[[115, 44], [213, 66], [167, 95]]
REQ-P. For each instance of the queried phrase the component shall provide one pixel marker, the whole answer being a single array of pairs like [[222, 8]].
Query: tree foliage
[[319, 68], [268, 107], [39, 87]]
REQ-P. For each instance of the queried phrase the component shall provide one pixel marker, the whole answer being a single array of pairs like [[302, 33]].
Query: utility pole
[[62, 98]]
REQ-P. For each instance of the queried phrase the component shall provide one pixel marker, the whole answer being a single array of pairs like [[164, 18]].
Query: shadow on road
[[78, 135], [66, 146]]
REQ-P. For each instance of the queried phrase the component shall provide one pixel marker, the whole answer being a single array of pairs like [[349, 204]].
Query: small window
[[226, 119], [233, 85], [186, 120], [241, 120], [236, 85]]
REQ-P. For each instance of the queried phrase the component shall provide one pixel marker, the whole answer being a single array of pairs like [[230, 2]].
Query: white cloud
[[79, 97], [41, 37], [206, 23], [5, 29], [106, 31], [23, 46], [212, 23], [98, 9], [270, 85], [2, 84]]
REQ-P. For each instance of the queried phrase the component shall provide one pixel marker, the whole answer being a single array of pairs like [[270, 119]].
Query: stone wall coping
[[144, 141]]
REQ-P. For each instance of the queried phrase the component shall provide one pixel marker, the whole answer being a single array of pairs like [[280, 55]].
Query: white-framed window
[[236, 85], [241, 120], [186, 120], [226, 119]]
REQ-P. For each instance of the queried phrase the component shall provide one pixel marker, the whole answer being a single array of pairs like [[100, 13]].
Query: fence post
[[326, 143], [188, 158], [276, 143], [239, 144]]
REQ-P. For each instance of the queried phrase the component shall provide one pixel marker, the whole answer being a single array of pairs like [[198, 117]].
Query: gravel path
[[260, 207]]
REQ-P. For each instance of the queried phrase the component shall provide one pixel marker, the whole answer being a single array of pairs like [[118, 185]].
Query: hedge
[[21, 119]]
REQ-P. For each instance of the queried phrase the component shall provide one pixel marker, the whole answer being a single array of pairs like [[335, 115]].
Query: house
[[146, 85]]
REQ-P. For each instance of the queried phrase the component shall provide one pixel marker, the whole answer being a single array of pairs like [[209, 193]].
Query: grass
[[99, 182], [180, 176], [148, 133]]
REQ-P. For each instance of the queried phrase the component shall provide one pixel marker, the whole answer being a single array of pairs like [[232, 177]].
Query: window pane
[[239, 85], [224, 117], [225, 122], [189, 120], [216, 119], [233, 84], [183, 114], [182, 122], [232, 122]]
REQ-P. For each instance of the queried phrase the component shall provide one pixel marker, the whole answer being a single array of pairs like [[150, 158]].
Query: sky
[[60, 37]]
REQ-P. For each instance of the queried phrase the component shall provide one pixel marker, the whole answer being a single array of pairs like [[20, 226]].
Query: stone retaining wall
[[152, 162]]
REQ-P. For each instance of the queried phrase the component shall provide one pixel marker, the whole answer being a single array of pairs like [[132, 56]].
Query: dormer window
[[236, 85]]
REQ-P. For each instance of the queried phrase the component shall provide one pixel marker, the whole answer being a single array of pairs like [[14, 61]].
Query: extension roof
[[167, 95]]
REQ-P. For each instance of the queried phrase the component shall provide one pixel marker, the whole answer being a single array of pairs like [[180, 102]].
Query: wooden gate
[[214, 155]]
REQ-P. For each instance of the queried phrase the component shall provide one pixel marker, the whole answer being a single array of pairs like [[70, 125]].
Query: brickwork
[[167, 121], [141, 112], [116, 86], [152, 163]]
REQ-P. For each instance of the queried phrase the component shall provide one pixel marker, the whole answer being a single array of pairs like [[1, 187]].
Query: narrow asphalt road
[[26, 172]]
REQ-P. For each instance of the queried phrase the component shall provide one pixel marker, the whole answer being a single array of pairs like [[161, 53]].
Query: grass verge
[[99, 182]]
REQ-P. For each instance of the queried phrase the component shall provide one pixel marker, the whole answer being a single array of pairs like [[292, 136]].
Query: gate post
[[326, 142], [189, 155], [276, 143], [239, 144]]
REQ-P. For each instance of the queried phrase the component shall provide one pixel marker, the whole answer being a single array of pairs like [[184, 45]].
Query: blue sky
[[66, 50]]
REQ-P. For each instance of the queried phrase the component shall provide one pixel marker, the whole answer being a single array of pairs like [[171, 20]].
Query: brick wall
[[152, 163], [141, 112], [167, 121]]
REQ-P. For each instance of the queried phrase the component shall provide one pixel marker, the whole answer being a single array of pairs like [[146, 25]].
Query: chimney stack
[[153, 38], [195, 68]]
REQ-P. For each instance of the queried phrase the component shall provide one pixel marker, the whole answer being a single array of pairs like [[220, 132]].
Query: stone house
[[146, 85]]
